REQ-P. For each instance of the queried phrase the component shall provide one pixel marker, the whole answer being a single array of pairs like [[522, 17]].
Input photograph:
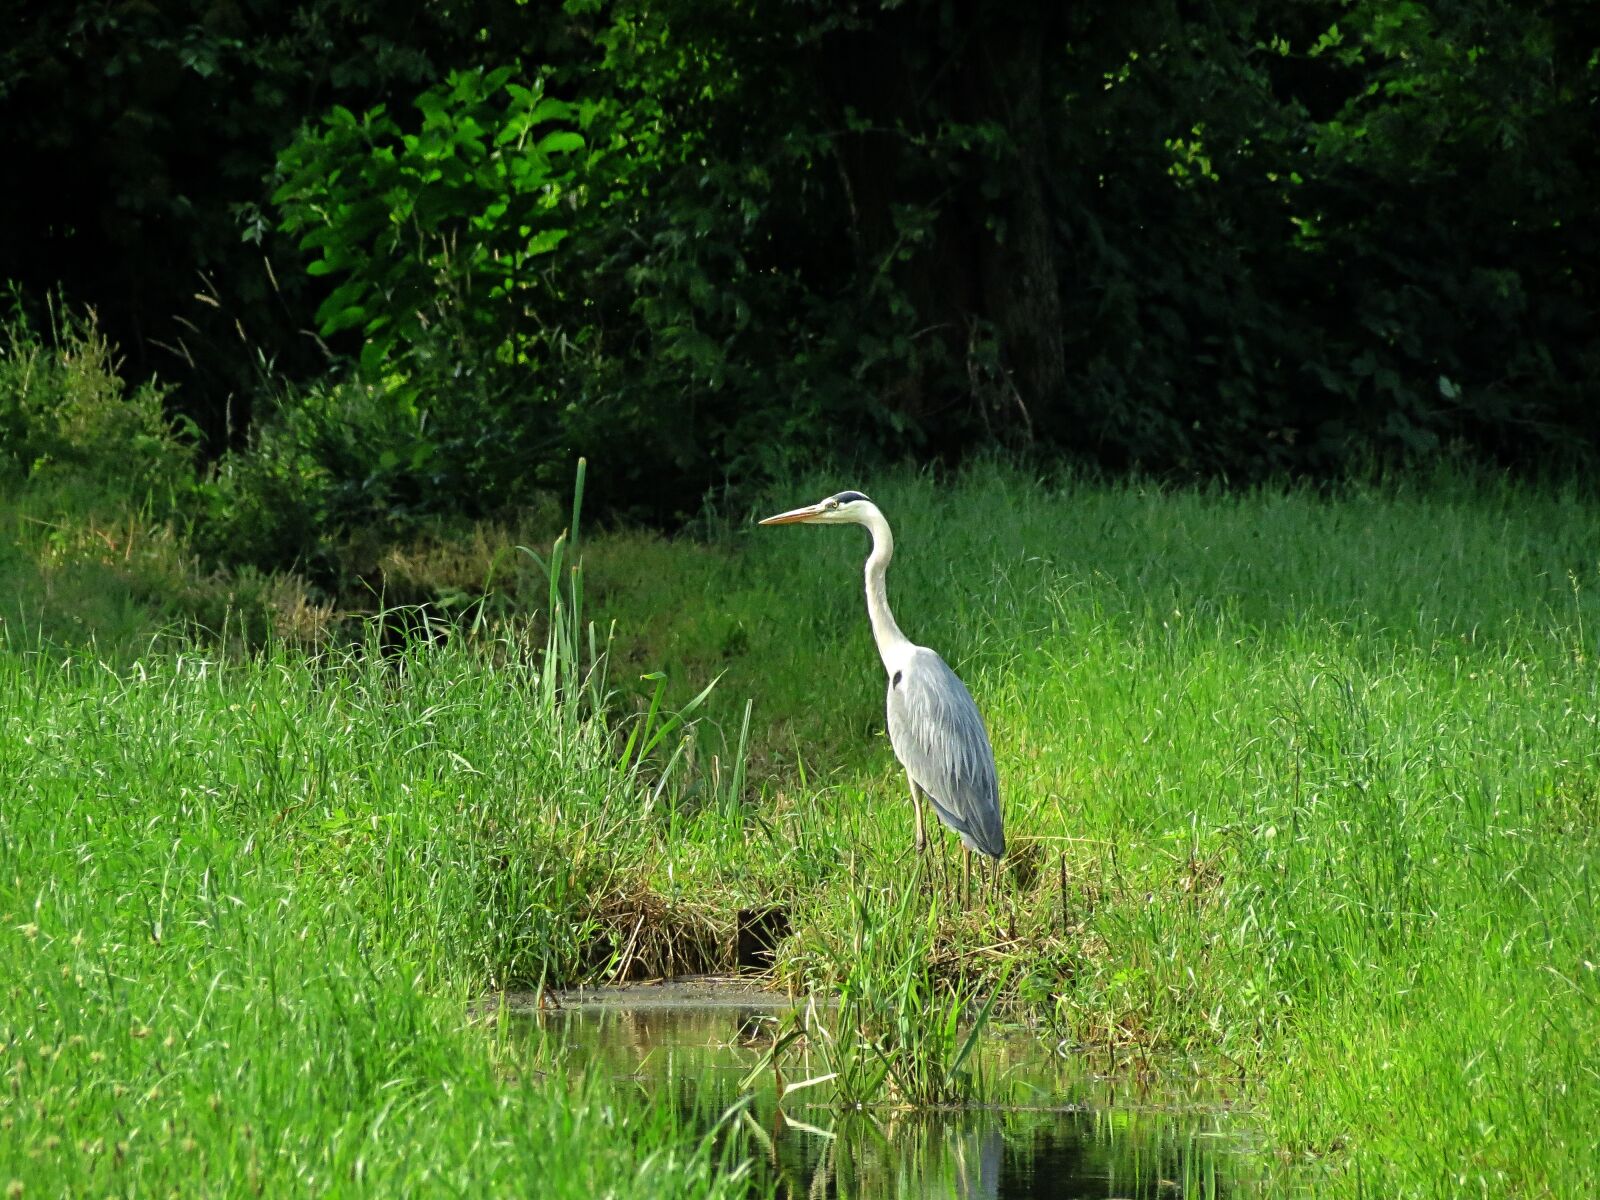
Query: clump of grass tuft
[[903, 1030], [65, 412]]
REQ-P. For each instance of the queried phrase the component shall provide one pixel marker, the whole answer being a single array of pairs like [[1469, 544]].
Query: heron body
[[934, 726], [939, 738]]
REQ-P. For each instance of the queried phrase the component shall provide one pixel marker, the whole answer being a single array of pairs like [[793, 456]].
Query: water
[[1059, 1132]]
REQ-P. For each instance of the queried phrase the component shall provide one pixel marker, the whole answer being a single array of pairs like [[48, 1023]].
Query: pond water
[[1056, 1131]]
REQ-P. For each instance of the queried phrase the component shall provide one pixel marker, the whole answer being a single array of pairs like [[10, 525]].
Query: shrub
[[99, 489], [65, 411]]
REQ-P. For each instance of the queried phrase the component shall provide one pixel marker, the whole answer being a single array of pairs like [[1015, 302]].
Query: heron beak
[[794, 516]]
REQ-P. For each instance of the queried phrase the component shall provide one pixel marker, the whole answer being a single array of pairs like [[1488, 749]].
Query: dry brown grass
[[655, 936]]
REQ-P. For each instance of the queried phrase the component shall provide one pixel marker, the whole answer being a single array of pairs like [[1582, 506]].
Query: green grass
[[98, 492], [1306, 787], [1301, 788], [246, 908]]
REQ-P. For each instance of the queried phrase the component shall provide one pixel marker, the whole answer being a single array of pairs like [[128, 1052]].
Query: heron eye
[[833, 504]]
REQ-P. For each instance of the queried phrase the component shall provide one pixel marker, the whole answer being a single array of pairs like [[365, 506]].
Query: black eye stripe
[[847, 497]]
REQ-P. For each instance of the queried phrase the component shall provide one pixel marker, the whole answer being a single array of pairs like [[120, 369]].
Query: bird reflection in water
[[1063, 1135]]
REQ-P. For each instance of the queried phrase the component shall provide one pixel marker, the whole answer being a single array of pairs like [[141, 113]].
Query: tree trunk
[[992, 257], [1017, 266]]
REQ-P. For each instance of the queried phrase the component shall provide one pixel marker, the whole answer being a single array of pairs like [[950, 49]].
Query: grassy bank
[[247, 907], [1302, 787]]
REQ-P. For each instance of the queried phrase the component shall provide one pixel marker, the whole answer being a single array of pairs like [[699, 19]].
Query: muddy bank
[[686, 991]]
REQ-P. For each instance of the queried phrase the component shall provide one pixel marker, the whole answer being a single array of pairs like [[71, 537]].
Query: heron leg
[[916, 807], [966, 877], [923, 874]]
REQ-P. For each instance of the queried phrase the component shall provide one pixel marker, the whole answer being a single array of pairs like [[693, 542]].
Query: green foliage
[[147, 134], [328, 463], [98, 494], [1455, 119], [436, 240], [429, 231], [1256, 250], [1377, 262], [65, 412], [1245, 240], [723, 334], [523, 288]]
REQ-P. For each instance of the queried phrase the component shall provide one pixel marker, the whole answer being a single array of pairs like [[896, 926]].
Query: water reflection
[[1056, 1134], [916, 1156]]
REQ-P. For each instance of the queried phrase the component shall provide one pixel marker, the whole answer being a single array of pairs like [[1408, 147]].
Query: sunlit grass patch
[[1282, 772], [1299, 790], [247, 905]]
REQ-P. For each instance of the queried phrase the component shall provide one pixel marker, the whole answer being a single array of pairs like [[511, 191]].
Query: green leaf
[[551, 109], [345, 318], [547, 240], [560, 142]]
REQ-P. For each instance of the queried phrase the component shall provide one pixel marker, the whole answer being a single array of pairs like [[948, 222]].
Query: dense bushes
[[703, 243]]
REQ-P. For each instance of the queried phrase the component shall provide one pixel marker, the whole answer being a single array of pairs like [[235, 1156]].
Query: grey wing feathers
[[938, 735]]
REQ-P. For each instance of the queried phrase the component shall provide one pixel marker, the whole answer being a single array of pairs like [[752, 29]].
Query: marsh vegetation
[[1300, 787]]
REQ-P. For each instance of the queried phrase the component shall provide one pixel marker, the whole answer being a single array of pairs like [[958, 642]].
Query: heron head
[[846, 508]]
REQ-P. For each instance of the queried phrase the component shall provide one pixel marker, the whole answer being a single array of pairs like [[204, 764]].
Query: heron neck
[[891, 642]]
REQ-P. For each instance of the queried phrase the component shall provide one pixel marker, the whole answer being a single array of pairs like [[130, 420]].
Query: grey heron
[[934, 726]]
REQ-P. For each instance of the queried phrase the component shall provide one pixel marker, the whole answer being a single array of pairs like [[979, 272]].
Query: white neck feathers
[[892, 644]]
